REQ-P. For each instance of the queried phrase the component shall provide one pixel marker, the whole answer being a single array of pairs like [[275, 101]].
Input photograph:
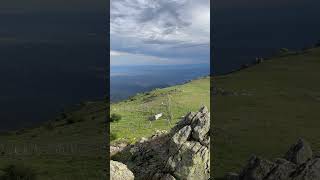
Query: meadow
[[174, 102], [265, 108]]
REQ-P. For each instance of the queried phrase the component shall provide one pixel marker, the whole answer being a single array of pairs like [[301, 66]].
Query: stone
[[119, 171], [116, 148], [182, 135], [143, 139], [183, 153], [299, 153], [298, 164], [256, 169], [189, 158], [282, 171], [161, 176], [308, 171]]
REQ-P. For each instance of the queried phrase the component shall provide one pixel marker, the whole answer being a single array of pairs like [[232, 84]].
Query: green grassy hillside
[[263, 109], [69, 147], [72, 145], [173, 102]]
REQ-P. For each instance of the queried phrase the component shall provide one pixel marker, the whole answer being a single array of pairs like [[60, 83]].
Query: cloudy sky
[[150, 32]]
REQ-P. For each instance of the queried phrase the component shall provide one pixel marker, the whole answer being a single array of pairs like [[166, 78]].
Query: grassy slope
[[135, 111], [61, 150], [75, 151], [283, 106]]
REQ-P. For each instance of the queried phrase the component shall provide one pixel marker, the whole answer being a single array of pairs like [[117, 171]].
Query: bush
[[115, 117], [18, 172], [113, 136], [70, 121], [74, 118]]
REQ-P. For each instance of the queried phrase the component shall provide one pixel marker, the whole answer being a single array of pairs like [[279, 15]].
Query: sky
[[157, 32]]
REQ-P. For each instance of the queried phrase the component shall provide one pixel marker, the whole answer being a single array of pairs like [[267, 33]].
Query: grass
[[272, 105], [174, 102], [69, 147], [72, 145]]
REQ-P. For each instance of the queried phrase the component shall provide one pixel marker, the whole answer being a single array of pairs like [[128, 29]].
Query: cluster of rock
[[183, 153], [298, 163]]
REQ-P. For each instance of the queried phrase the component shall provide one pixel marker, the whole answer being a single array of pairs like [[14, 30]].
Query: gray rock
[[143, 139], [282, 171], [189, 158], [116, 148], [308, 171], [181, 154], [298, 165], [119, 171], [299, 153], [256, 169], [181, 136], [161, 176], [201, 126]]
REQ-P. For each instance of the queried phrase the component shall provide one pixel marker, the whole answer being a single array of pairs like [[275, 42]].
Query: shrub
[[70, 121], [113, 136], [75, 118], [115, 117], [15, 172]]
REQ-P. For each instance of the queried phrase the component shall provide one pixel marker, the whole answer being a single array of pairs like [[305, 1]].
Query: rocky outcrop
[[299, 153], [298, 164], [119, 171], [189, 152], [183, 153]]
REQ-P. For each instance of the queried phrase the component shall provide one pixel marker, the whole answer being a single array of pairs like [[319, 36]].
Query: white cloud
[[116, 53], [160, 28]]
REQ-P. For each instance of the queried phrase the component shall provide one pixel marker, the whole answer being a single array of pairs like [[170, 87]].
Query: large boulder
[[119, 171], [189, 148]]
